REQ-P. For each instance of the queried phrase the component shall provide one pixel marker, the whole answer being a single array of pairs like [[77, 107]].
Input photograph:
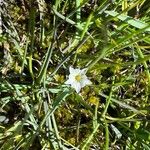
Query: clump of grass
[[40, 40]]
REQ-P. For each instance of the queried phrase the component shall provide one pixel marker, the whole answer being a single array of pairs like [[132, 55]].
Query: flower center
[[78, 78]]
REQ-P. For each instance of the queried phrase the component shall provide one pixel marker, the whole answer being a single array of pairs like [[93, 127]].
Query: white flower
[[77, 79]]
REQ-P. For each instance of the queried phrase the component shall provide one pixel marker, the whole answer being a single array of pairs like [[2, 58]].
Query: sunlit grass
[[40, 40]]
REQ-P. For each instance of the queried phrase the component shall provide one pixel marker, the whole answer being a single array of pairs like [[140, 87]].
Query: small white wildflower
[[77, 79]]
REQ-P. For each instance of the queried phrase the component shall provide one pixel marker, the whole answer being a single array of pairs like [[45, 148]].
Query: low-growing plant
[[74, 75]]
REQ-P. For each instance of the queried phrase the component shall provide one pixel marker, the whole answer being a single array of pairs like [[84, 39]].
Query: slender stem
[[32, 37], [46, 61], [144, 62], [90, 137], [106, 136], [24, 56], [109, 99], [78, 17]]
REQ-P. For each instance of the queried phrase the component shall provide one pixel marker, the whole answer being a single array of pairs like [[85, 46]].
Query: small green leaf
[[143, 134], [117, 132], [134, 22]]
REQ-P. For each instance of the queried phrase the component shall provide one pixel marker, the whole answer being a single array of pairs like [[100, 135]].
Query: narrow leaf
[[134, 22]]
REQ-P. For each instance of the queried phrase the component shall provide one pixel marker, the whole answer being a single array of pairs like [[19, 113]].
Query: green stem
[[78, 17], [32, 37], [144, 62], [90, 137], [109, 99], [46, 61], [106, 136]]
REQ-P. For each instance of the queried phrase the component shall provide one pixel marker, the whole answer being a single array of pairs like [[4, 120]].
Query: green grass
[[40, 40]]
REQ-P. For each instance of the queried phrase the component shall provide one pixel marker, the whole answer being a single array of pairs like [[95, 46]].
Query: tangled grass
[[40, 40]]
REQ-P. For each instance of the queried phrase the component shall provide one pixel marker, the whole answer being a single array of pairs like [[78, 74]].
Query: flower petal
[[85, 82], [68, 81], [76, 86], [71, 70], [73, 78], [83, 71]]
